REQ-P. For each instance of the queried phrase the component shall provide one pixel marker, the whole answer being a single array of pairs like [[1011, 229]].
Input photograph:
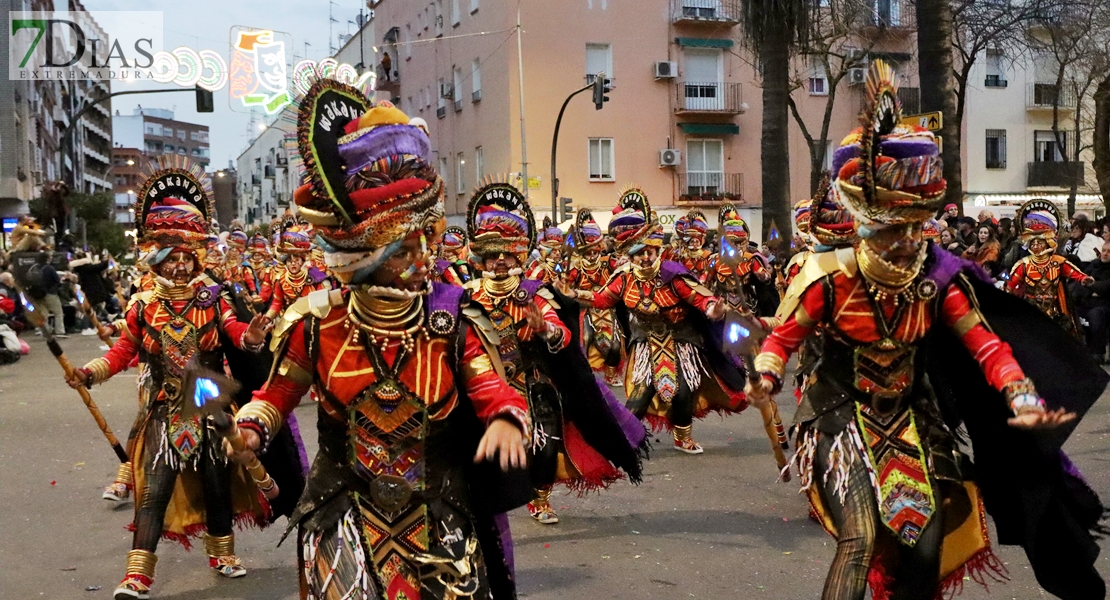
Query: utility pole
[[554, 150], [523, 138]]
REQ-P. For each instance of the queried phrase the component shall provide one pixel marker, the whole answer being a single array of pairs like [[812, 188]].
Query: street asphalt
[[714, 526]]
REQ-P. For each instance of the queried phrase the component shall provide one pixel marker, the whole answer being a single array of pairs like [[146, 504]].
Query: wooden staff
[[38, 320], [93, 320]]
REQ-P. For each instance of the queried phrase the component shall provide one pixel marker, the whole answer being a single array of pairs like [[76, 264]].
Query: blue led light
[[206, 390], [737, 331]]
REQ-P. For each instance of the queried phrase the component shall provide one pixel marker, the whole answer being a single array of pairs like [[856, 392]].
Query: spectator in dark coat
[[91, 277], [1094, 304]]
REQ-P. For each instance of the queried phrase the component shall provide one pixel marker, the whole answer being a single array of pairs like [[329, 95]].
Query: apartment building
[[156, 132], [126, 176], [683, 120], [1011, 154], [33, 116]]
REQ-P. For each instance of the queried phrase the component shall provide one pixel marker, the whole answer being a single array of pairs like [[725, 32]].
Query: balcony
[[710, 189], [1055, 174], [995, 81], [693, 97], [889, 16], [705, 12], [910, 97], [1043, 96], [391, 80]]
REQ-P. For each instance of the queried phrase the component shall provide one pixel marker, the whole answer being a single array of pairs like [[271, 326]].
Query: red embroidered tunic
[[287, 288], [259, 280], [653, 297], [1042, 282], [851, 316]]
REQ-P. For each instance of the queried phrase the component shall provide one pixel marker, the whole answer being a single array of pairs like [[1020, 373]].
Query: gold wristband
[[769, 362], [262, 413]]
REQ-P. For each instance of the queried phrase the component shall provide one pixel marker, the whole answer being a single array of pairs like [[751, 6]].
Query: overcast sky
[[205, 24]]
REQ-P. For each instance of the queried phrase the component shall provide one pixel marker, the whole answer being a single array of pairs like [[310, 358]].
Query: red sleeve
[[120, 355], [549, 315], [993, 355], [231, 324], [277, 306], [7, 305], [281, 391], [1017, 278], [682, 287], [1072, 272], [490, 395], [785, 339], [610, 295]]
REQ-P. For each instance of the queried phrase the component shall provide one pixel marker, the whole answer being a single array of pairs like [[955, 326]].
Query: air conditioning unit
[[669, 157], [855, 54], [446, 90], [666, 69], [857, 76]]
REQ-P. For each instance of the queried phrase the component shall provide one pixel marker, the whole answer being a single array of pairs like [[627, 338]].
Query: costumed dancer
[[1040, 277], [877, 454], [453, 264], [675, 372], [749, 281], [590, 270], [678, 240], [577, 435], [297, 278], [802, 216], [234, 269], [258, 272], [396, 505], [548, 266], [184, 485], [693, 254]]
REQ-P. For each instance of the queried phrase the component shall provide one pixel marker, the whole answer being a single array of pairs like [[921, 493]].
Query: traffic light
[[602, 86], [566, 211], [204, 101]]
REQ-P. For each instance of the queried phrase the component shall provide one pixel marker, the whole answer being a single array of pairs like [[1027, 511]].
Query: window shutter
[[1002, 149]]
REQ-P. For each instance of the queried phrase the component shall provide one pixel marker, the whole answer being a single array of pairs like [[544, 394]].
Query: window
[[1045, 148], [408, 38], [168, 148], [182, 150], [818, 79], [479, 165], [599, 59], [996, 148], [443, 170], [473, 6], [181, 134], [194, 135], [476, 80], [442, 102], [996, 75], [456, 88], [601, 159], [460, 174], [167, 131], [886, 13], [705, 166], [204, 136], [196, 152], [826, 161], [149, 128], [704, 75], [439, 18], [456, 14]]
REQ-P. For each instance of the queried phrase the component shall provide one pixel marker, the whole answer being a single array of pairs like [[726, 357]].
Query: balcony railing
[[714, 12], [709, 97], [1055, 174], [710, 188], [889, 14], [1047, 95]]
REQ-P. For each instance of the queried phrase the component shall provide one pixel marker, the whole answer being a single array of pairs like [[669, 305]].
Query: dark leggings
[[915, 570], [215, 477], [682, 406]]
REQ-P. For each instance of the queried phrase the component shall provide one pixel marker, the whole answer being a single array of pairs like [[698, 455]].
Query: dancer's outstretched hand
[[503, 438], [252, 443], [759, 393], [1048, 419]]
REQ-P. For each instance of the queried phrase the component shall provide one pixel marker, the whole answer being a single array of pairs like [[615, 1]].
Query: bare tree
[[835, 46]]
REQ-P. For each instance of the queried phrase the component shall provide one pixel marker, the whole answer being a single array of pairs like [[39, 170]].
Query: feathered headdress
[[1040, 219], [499, 220], [633, 225], [731, 225], [830, 223], [587, 233], [454, 238], [370, 179], [887, 172], [174, 206]]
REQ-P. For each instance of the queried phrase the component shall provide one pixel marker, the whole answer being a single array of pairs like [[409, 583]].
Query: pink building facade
[[681, 82]]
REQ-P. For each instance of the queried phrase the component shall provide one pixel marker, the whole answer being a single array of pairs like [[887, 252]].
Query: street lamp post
[[554, 148]]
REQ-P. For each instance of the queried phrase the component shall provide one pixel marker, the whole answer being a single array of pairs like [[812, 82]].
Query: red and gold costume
[[259, 271], [395, 507], [733, 278], [184, 484], [453, 264], [668, 380], [289, 285], [590, 270], [692, 254], [1040, 277], [901, 324]]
